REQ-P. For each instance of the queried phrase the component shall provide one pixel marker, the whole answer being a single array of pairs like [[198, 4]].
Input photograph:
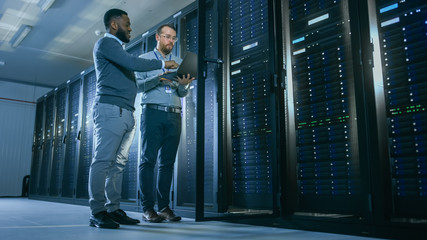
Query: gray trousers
[[114, 129]]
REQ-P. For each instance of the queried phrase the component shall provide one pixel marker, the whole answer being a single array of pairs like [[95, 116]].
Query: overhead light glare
[[44, 5], [20, 35]]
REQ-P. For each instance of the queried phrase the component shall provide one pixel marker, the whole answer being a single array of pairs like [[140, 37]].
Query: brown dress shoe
[[151, 216], [167, 214]]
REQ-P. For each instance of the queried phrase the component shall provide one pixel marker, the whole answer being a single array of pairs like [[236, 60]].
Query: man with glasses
[[160, 127]]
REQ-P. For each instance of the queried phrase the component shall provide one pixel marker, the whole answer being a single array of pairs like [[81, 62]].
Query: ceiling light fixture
[[44, 5], [20, 35]]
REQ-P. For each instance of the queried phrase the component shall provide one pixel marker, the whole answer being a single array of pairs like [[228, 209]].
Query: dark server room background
[[305, 114]]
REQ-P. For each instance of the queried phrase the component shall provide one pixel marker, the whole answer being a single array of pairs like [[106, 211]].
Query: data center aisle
[[21, 219]]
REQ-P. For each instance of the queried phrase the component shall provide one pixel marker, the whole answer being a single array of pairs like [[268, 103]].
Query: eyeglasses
[[169, 37]]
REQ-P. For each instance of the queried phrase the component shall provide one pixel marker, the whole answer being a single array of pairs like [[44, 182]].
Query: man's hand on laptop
[[171, 64], [185, 79]]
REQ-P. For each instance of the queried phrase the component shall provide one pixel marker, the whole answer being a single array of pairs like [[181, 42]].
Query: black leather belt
[[162, 108]]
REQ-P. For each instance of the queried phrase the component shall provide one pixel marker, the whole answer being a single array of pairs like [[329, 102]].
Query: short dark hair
[[159, 29], [112, 13]]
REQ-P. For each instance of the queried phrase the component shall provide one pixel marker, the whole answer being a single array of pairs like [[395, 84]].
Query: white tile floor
[[22, 219]]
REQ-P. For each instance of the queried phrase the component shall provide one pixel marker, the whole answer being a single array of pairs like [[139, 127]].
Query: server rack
[[37, 148], [86, 133], [185, 174], [69, 180], [253, 103], [49, 126], [211, 109], [58, 142], [403, 38], [332, 177], [244, 142]]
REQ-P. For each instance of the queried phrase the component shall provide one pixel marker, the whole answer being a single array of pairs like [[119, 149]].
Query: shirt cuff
[[163, 64]]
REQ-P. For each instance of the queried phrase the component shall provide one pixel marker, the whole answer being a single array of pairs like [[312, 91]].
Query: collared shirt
[[114, 37], [153, 91]]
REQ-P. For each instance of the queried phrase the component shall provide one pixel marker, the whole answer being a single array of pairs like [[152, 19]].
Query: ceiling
[[61, 39]]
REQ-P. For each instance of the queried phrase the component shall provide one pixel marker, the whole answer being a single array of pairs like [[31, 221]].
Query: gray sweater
[[114, 67]]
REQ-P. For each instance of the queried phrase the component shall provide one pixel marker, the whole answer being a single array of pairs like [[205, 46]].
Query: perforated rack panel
[[37, 147], [327, 145], [70, 168], [403, 38], [47, 145], [86, 134], [59, 144], [251, 109]]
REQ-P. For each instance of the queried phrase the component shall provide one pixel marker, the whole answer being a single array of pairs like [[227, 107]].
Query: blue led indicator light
[[388, 8]]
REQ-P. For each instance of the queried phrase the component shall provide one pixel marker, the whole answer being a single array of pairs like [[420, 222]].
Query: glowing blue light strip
[[391, 21], [298, 40], [236, 72], [318, 19], [388, 8], [250, 46], [299, 51], [235, 62]]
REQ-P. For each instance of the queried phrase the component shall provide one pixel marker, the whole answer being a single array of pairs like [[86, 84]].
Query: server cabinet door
[[329, 178], [185, 180], [86, 131], [71, 149], [59, 143], [253, 172], [185, 177], [49, 128], [37, 148], [241, 109], [403, 39]]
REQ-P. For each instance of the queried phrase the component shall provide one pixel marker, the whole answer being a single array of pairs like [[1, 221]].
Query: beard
[[165, 50], [122, 35]]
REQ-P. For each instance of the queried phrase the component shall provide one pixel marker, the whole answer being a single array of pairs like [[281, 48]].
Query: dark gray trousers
[[160, 135]]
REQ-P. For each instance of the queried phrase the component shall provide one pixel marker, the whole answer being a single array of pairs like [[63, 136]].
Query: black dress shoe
[[121, 217], [151, 216], [102, 220], [167, 214]]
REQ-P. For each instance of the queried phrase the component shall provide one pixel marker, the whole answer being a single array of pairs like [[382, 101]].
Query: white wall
[[17, 115]]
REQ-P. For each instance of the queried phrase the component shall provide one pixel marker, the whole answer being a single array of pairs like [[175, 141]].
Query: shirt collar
[[167, 56], [114, 37]]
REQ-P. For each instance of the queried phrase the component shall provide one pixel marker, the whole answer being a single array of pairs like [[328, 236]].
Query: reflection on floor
[[22, 218]]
